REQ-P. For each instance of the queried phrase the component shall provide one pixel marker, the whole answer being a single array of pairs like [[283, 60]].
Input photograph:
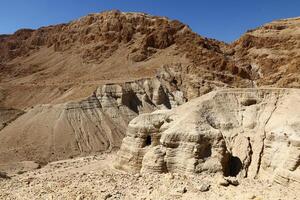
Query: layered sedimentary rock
[[237, 132], [98, 123], [271, 53]]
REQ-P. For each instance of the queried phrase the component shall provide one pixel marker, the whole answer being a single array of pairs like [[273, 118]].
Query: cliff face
[[51, 132], [236, 132], [71, 60], [272, 53]]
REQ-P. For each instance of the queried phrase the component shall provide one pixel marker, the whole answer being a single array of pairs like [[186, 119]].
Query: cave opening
[[235, 166], [249, 102], [148, 140], [174, 81]]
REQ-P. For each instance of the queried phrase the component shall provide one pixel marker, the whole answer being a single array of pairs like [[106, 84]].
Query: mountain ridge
[[119, 65]]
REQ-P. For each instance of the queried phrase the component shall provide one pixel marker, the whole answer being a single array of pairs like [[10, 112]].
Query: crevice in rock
[[264, 137], [148, 140], [130, 100], [250, 153]]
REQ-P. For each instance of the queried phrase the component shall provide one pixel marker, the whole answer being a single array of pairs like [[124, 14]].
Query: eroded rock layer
[[98, 123], [235, 132]]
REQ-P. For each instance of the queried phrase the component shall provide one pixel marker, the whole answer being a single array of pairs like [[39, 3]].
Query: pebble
[[204, 187], [232, 180], [181, 190]]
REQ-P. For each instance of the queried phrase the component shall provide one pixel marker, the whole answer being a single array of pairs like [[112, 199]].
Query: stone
[[223, 182], [204, 187], [181, 190], [232, 181]]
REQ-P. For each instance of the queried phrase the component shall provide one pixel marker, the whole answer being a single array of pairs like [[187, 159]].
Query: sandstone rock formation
[[235, 132], [98, 123]]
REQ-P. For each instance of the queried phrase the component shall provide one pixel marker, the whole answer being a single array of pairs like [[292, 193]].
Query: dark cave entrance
[[234, 166], [148, 140], [174, 81]]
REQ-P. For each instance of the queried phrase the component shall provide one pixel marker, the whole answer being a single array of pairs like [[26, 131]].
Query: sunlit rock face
[[236, 132], [98, 123]]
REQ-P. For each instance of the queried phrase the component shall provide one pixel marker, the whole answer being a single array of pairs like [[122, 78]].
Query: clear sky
[[220, 19]]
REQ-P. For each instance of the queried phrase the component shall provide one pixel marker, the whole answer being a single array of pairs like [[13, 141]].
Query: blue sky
[[220, 19]]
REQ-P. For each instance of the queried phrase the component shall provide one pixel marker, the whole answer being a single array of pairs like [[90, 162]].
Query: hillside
[[68, 61], [71, 89]]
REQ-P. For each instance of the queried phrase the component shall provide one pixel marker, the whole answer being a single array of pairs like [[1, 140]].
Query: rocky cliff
[[271, 53], [69, 61], [98, 123], [236, 132]]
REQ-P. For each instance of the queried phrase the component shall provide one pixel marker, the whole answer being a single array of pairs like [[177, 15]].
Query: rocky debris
[[64, 180], [232, 180], [231, 132]]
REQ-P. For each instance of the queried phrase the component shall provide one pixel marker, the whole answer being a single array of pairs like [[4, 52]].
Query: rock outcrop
[[69, 61], [271, 53], [235, 132], [98, 123]]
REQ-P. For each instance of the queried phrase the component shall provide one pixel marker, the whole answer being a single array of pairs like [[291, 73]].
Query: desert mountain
[[272, 53], [69, 61], [72, 89]]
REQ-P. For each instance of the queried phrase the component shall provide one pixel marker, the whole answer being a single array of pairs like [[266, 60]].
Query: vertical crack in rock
[[264, 136], [250, 152]]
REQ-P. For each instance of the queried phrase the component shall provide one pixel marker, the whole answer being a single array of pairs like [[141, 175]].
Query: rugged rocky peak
[[272, 53], [94, 42], [236, 132], [97, 34]]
